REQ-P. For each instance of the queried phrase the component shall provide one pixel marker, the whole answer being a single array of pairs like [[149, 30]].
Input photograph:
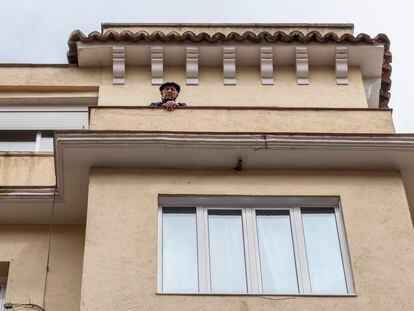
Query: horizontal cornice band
[[265, 140], [247, 36]]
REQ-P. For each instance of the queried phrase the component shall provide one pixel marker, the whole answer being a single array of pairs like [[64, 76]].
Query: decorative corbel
[[302, 65], [157, 65], [192, 65], [229, 65], [341, 65], [118, 65], [266, 65]]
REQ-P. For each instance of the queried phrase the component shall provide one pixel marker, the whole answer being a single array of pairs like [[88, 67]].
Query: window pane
[[179, 247], [17, 140], [46, 141], [323, 251], [277, 259], [46, 144], [227, 262]]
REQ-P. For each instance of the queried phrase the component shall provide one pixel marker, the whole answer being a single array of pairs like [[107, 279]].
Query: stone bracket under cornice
[[302, 66], [191, 65], [229, 65], [118, 67], [157, 65], [341, 65], [266, 65]]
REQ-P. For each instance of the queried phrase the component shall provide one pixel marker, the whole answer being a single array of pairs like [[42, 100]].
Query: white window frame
[[38, 138], [248, 206], [44, 117]]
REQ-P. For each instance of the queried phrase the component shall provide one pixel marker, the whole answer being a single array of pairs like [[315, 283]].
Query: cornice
[[248, 36], [78, 151], [265, 140], [26, 193]]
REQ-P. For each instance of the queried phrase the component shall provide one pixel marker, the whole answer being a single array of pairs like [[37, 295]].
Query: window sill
[[263, 295], [26, 153]]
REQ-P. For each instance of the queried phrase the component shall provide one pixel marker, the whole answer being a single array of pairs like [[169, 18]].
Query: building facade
[[281, 185]]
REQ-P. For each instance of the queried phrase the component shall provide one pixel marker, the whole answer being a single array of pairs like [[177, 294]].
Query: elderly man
[[169, 93]]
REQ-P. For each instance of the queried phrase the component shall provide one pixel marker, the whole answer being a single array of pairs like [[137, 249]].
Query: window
[[43, 117], [29, 127], [26, 141], [253, 245]]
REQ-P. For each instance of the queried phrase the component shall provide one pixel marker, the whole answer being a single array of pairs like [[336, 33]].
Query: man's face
[[169, 93]]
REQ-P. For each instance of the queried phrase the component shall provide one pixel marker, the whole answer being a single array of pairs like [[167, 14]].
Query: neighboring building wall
[[26, 248], [138, 91], [28, 169], [120, 263]]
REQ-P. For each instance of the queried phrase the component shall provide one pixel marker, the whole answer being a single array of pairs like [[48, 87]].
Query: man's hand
[[170, 105]]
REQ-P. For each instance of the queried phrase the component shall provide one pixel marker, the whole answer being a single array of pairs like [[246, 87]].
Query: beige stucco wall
[[226, 30], [26, 248], [48, 76], [321, 92], [121, 238], [30, 169], [236, 120], [138, 91], [55, 95]]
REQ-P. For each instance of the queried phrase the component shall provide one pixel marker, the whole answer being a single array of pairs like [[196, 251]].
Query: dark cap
[[164, 85]]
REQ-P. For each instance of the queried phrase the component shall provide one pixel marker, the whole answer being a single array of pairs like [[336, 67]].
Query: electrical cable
[[23, 306], [49, 247], [10, 305]]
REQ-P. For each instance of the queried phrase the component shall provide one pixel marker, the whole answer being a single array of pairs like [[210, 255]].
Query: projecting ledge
[[242, 119]]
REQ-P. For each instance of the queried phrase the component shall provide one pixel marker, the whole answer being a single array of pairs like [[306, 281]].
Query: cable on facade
[[49, 246], [34, 306]]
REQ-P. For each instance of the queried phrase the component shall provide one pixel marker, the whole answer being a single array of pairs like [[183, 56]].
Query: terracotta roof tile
[[279, 36]]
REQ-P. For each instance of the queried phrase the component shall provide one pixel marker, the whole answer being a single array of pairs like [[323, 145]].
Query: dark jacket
[[158, 105]]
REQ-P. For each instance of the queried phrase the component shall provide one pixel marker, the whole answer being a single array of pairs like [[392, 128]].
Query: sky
[[36, 31]]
